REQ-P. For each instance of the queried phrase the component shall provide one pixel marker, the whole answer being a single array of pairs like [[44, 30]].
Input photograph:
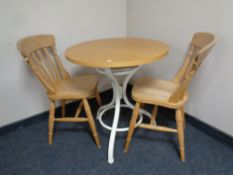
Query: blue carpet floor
[[26, 152]]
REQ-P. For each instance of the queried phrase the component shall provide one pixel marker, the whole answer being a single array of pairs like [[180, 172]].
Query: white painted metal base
[[109, 127], [119, 92]]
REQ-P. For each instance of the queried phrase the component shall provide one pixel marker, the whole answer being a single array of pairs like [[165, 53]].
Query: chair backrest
[[40, 53], [200, 47]]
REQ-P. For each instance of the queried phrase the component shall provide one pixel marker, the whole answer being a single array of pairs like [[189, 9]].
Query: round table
[[116, 57]]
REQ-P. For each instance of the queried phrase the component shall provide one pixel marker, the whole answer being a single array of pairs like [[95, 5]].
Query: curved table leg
[[119, 92], [117, 95], [125, 83], [104, 107]]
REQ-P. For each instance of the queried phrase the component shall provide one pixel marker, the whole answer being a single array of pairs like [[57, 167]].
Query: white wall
[[174, 22], [71, 21]]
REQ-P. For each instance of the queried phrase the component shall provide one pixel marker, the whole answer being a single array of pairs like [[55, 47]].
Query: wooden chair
[[39, 52], [171, 94]]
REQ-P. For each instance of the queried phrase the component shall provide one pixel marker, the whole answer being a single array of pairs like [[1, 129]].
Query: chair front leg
[[180, 130], [51, 121], [132, 125], [184, 122], [91, 122]]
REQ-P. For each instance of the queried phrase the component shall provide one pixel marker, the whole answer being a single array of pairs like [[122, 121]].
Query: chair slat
[[64, 73], [52, 63], [41, 74], [47, 66], [40, 66]]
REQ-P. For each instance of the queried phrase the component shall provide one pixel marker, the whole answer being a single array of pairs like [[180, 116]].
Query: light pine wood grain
[[116, 52], [154, 115], [132, 126], [172, 93], [40, 54]]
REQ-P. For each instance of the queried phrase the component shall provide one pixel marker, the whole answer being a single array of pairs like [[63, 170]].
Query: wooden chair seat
[[75, 88], [150, 90]]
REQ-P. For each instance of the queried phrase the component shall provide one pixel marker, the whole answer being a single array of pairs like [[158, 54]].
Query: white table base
[[119, 92]]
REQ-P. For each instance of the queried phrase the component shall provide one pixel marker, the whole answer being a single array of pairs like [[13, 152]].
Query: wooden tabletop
[[116, 52]]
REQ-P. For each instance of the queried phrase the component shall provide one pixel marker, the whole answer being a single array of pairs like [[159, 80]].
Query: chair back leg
[[63, 108], [98, 98], [154, 115]]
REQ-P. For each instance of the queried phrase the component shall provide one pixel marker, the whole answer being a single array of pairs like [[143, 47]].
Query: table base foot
[[110, 161]]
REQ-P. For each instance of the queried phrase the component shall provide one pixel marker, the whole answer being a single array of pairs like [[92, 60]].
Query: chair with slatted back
[[40, 53], [171, 94]]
